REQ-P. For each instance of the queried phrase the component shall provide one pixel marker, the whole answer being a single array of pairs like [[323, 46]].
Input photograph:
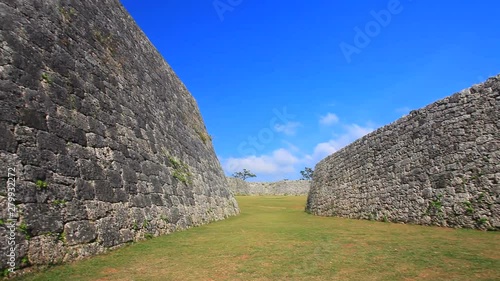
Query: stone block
[[80, 232]]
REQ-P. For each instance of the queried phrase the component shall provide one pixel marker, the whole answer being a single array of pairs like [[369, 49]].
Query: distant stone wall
[[286, 187], [104, 143], [439, 165]]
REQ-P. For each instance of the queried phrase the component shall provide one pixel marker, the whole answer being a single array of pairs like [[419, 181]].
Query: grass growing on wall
[[181, 170], [274, 239]]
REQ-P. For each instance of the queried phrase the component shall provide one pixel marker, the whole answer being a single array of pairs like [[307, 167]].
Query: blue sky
[[282, 84]]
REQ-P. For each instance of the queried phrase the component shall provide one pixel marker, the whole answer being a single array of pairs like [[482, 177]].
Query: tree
[[244, 174], [307, 173]]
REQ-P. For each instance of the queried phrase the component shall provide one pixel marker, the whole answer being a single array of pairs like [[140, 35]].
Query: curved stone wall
[[440, 165], [284, 187], [104, 143]]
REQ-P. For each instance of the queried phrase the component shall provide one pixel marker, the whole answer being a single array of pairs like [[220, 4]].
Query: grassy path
[[274, 239]]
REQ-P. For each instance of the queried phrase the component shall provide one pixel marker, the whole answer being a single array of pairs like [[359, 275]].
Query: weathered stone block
[[48, 160], [80, 232], [96, 126], [26, 192], [84, 190], [46, 249], [25, 135], [129, 175], [40, 218], [33, 173], [67, 132], [74, 210], [120, 195], [66, 166], [48, 141], [126, 235], [33, 119], [103, 191], [7, 141], [52, 191], [150, 169], [91, 170], [95, 140], [115, 178], [29, 155], [108, 232]]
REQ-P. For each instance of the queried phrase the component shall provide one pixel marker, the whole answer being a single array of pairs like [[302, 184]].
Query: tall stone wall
[[284, 187], [439, 165], [100, 142]]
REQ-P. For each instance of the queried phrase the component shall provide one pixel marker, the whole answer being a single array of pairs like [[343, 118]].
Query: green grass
[[274, 239], [181, 170], [41, 184]]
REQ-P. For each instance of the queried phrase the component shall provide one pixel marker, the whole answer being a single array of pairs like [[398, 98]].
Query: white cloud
[[279, 162], [355, 131], [286, 162], [352, 133], [291, 146], [329, 119], [288, 129]]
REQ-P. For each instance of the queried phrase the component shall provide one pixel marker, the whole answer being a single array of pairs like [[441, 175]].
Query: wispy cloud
[[288, 129], [352, 133], [287, 161], [291, 147], [279, 162], [328, 119]]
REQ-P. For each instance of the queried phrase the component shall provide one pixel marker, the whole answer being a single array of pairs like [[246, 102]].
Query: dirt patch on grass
[[348, 246], [430, 274], [243, 257], [110, 270]]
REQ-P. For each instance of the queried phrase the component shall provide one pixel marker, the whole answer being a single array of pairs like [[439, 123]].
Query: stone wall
[[439, 165], [285, 187], [104, 142]]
